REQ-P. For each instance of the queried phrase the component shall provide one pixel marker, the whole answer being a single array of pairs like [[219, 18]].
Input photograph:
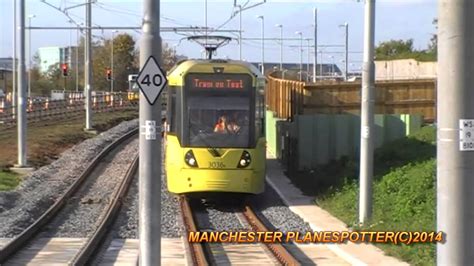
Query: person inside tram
[[233, 126], [221, 125]]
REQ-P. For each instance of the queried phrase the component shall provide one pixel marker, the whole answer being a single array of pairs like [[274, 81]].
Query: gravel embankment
[[39, 190], [85, 209], [126, 224]]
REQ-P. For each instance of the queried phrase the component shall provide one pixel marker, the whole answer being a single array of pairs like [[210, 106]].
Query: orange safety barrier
[[46, 104], [30, 105]]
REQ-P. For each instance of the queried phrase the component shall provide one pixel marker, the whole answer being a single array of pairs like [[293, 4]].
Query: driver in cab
[[223, 127]]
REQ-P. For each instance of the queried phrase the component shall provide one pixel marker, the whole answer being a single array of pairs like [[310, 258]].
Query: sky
[[395, 19]]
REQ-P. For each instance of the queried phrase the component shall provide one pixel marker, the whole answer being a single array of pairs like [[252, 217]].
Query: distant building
[[292, 68], [6, 63], [49, 56], [6, 75]]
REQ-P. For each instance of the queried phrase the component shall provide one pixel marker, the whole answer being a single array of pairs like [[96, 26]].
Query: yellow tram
[[215, 140]]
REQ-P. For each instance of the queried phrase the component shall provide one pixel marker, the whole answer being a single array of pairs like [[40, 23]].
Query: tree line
[[126, 62], [403, 49]]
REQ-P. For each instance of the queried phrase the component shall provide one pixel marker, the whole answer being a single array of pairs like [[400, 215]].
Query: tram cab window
[[219, 121]]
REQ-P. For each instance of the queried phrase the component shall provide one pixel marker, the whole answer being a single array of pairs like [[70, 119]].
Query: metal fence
[[313, 140], [74, 106]]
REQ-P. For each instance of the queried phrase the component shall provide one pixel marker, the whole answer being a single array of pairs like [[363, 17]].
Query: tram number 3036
[[216, 165]]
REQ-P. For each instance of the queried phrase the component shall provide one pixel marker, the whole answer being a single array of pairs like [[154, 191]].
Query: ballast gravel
[[126, 225], [83, 212], [41, 188], [271, 208], [217, 216]]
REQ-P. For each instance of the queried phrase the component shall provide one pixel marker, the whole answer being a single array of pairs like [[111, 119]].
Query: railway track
[[84, 253], [202, 254]]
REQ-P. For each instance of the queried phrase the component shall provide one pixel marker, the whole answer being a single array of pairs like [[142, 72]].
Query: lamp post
[[281, 45], [345, 76], [29, 54], [263, 43], [112, 62], [77, 58], [301, 54], [14, 72], [346, 26], [76, 53], [309, 59], [315, 13], [321, 63], [240, 32]]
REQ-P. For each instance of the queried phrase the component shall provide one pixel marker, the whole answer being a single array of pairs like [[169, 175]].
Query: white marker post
[[151, 82]]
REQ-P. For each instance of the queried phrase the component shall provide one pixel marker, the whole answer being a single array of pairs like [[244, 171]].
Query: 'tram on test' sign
[[466, 134]]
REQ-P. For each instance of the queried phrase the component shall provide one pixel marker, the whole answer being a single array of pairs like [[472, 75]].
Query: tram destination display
[[199, 82]]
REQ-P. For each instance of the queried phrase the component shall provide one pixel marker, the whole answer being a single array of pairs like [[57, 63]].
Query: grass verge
[[47, 140], [404, 192], [8, 180]]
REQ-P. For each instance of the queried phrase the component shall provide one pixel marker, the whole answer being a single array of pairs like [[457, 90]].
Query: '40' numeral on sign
[[157, 80]]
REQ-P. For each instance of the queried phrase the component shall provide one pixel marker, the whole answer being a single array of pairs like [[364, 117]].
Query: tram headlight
[[244, 160], [189, 159]]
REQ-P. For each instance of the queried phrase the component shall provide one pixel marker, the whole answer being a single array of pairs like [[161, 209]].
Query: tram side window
[[172, 110], [259, 114]]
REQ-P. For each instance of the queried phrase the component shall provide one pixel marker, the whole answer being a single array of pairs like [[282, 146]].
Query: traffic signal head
[[64, 69], [109, 74]]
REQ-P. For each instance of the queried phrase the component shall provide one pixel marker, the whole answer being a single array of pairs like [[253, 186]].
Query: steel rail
[[21, 240], [88, 249], [198, 253], [280, 253]]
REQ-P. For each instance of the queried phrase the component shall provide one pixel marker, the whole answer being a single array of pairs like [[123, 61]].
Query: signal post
[[65, 72]]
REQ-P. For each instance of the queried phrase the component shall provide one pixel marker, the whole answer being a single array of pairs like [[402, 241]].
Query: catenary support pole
[[77, 60], [14, 70], [321, 64], [263, 43], [346, 68], [88, 67], [455, 144], [150, 149], [29, 56], [367, 116], [308, 47], [112, 63], [281, 45], [21, 101], [301, 54], [315, 64], [240, 32]]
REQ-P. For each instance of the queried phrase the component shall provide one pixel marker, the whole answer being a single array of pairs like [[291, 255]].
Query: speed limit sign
[[151, 80]]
